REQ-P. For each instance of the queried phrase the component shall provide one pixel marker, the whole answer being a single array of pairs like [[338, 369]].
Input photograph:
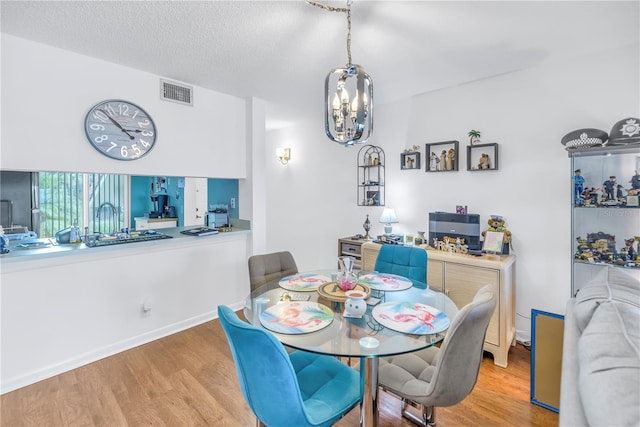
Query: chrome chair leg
[[428, 413]]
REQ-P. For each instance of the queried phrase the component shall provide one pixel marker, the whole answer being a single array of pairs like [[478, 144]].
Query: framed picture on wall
[[442, 156], [482, 157], [410, 160]]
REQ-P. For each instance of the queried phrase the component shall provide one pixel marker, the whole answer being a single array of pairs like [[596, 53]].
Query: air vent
[[175, 92]]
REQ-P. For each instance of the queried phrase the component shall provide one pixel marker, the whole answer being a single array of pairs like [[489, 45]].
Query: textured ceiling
[[281, 51]]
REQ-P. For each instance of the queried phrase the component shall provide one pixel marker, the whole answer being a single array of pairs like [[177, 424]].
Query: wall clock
[[120, 129]]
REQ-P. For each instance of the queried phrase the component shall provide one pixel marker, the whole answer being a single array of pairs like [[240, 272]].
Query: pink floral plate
[[411, 317], [305, 282], [385, 282], [299, 317]]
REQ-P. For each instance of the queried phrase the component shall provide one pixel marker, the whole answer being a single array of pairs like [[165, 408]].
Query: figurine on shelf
[[578, 187], [635, 184], [434, 161], [451, 157], [443, 160], [609, 188], [631, 254], [484, 162], [474, 137]]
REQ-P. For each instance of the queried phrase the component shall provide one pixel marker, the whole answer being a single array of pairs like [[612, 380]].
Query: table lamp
[[388, 217]]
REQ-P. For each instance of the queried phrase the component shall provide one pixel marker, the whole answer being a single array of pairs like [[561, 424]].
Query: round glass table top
[[343, 336]]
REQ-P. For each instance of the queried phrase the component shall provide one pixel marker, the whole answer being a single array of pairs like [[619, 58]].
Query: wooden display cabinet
[[460, 277]]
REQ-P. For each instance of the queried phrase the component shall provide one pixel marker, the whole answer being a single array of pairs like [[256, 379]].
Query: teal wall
[[219, 191]]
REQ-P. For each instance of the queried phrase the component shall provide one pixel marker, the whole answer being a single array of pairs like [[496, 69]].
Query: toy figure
[[609, 187], [578, 182], [631, 253], [635, 184]]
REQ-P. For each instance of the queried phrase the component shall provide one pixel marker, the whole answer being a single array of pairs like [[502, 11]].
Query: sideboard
[[460, 277]]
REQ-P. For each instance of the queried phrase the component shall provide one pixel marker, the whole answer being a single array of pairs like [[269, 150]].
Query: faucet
[[114, 213]]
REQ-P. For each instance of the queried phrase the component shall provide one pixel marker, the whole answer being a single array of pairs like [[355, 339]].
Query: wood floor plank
[[189, 379]]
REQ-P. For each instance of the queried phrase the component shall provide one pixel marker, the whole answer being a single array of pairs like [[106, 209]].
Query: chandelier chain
[[347, 11]]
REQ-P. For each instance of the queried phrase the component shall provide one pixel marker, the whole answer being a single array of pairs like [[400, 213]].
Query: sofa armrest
[[571, 410]]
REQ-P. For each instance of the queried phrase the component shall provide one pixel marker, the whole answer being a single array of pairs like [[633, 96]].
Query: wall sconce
[[284, 154]]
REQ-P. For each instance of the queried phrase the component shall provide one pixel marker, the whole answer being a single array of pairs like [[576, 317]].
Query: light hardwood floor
[[189, 379]]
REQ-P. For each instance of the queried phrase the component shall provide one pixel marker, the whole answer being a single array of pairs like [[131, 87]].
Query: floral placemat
[[300, 317], [411, 317], [305, 282], [386, 282]]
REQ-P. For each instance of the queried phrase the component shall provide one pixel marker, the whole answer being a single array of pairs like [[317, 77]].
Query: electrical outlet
[[233, 203], [145, 308]]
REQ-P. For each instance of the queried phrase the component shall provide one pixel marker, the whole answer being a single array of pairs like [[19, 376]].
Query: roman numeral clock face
[[120, 130]]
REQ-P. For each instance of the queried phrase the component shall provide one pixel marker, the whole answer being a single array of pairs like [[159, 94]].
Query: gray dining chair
[[441, 376], [264, 268]]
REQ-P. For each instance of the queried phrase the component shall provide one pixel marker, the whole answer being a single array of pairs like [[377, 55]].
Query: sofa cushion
[[613, 284], [609, 356]]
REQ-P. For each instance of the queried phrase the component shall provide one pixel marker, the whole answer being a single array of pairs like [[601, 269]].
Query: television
[[464, 226]]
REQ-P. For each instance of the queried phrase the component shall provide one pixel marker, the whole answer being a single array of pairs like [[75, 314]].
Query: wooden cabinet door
[[463, 282], [435, 275]]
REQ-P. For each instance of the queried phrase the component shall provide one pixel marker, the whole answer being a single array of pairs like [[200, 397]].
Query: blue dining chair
[[407, 261], [297, 389]]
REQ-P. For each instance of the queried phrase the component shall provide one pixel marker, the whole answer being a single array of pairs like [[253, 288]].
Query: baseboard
[[29, 378]]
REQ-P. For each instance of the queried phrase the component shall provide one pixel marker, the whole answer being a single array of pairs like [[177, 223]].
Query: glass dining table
[[305, 311]]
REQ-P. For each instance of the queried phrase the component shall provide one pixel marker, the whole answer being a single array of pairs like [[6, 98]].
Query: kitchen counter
[[48, 251]]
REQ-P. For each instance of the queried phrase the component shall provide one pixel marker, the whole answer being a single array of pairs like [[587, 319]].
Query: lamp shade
[[388, 216]]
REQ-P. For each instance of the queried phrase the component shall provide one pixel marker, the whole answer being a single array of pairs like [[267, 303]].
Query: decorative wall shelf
[[482, 157], [371, 163], [410, 160], [442, 156]]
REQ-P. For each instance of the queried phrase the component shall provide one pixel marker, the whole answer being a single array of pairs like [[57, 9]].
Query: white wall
[[61, 313], [46, 93], [62, 316], [312, 201]]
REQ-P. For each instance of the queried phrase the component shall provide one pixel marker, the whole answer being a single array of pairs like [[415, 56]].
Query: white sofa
[[600, 383]]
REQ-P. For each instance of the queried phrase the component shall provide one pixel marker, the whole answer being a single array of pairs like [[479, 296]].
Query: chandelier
[[348, 95]]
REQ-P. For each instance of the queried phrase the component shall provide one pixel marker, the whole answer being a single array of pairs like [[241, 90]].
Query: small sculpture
[[635, 184], [484, 162], [443, 160], [434, 161], [367, 227], [355, 305], [474, 137], [609, 188], [578, 187], [451, 157]]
